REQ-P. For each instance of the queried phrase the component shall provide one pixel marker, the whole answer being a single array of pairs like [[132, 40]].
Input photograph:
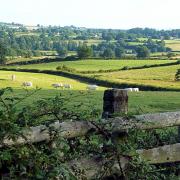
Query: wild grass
[[94, 65], [158, 76]]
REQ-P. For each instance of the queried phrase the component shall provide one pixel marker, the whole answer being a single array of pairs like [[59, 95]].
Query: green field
[[158, 76], [40, 80], [139, 102], [173, 44], [95, 65]]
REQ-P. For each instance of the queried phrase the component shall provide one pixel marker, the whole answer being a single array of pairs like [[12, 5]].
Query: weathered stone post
[[115, 102], [179, 134]]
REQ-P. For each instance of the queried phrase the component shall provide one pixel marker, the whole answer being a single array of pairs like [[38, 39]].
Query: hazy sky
[[121, 14]]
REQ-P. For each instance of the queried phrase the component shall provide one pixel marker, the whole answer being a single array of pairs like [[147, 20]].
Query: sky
[[112, 14]]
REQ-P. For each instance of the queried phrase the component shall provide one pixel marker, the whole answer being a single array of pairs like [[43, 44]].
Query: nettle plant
[[48, 160]]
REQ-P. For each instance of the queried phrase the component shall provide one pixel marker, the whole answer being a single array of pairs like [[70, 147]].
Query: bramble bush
[[48, 160]]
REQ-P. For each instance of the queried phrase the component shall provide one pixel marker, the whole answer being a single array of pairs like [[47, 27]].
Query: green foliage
[[47, 160], [108, 53], [3, 53], [43, 160], [63, 52], [142, 52], [65, 68], [84, 51], [177, 75]]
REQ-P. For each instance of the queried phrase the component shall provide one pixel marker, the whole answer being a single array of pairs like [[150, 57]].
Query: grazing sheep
[[92, 87], [67, 86], [136, 89], [27, 84], [57, 85], [129, 89], [13, 77]]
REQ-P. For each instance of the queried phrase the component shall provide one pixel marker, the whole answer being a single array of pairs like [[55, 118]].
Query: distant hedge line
[[93, 80], [44, 60], [72, 70]]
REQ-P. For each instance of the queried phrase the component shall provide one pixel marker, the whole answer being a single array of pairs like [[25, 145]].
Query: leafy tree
[[142, 52], [3, 53], [119, 52], [63, 52], [84, 51], [108, 53]]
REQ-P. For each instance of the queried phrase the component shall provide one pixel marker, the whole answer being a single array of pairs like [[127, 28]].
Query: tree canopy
[[84, 51], [3, 53], [142, 52]]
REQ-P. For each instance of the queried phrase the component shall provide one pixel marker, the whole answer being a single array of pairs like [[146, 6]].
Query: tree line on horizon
[[111, 43]]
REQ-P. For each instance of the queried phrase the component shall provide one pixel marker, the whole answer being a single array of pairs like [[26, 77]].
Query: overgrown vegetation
[[48, 160], [177, 76]]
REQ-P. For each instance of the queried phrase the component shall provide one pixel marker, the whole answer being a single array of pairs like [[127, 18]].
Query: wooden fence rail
[[71, 129]]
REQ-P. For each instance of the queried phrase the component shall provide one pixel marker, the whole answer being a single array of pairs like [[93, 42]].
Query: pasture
[[43, 81], [173, 44], [139, 102], [94, 65], [157, 76]]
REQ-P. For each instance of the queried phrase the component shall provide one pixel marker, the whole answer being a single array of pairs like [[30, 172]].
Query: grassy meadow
[[139, 102], [157, 76], [44, 81], [173, 44], [94, 65]]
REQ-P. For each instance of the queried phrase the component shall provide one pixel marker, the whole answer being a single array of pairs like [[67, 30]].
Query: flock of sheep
[[69, 86], [132, 89], [60, 85]]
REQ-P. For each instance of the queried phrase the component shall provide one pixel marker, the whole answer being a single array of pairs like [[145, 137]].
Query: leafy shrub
[[65, 68], [125, 68], [47, 160], [177, 75]]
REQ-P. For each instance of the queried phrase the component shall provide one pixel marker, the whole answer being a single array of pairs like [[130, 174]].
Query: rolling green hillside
[[43, 81], [158, 77], [94, 65]]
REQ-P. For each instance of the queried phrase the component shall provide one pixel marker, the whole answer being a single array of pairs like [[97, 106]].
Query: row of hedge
[[94, 80], [44, 60]]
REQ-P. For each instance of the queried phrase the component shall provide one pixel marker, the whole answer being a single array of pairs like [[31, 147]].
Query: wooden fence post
[[115, 102]]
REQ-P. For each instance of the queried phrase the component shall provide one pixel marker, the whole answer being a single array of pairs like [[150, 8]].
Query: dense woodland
[[18, 40]]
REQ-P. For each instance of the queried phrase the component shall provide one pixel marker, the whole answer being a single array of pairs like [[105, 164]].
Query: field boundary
[[72, 70], [93, 80], [125, 68]]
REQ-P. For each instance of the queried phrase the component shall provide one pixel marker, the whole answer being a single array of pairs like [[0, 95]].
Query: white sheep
[[136, 89], [27, 84], [92, 87], [13, 77], [67, 86], [129, 89], [57, 85]]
